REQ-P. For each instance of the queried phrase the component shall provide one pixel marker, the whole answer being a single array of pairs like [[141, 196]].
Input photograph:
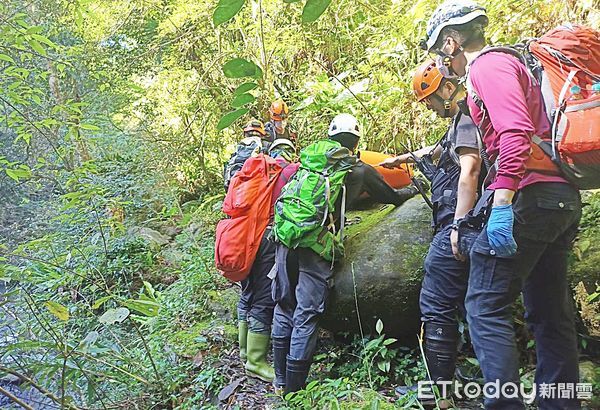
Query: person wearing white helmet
[[346, 130], [532, 218], [300, 285], [282, 147]]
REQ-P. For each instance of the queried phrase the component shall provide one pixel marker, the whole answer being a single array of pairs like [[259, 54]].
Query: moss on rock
[[383, 267]]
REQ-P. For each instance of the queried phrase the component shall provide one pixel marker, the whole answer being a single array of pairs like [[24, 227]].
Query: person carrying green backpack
[[308, 228]]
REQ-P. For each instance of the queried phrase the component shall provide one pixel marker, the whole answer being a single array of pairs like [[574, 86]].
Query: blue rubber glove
[[500, 230]]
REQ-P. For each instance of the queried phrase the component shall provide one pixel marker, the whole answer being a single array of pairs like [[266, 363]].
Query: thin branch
[[137, 328], [35, 386], [262, 42], [15, 399]]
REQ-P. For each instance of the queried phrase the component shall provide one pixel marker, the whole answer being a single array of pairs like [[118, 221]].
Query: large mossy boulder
[[383, 268], [381, 274]]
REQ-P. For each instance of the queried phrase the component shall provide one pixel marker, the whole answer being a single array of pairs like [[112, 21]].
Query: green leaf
[[473, 361], [245, 88], [101, 301], [230, 118], [37, 47], [242, 100], [43, 39], [114, 315], [389, 341], [379, 326], [145, 307], [7, 58], [239, 68], [226, 10], [34, 29], [313, 10], [57, 310], [90, 127], [291, 1], [371, 344], [18, 173], [584, 245]]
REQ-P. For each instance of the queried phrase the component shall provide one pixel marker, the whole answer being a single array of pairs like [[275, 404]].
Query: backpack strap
[[343, 212], [560, 108], [342, 220], [499, 49], [327, 198]]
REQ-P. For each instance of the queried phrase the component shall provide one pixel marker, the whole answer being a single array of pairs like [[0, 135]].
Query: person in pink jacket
[[533, 218]]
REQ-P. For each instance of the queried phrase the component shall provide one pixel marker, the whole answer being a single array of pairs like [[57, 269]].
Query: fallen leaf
[[228, 390], [198, 359]]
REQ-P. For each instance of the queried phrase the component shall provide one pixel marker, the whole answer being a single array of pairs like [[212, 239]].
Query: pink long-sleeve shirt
[[514, 113], [288, 171]]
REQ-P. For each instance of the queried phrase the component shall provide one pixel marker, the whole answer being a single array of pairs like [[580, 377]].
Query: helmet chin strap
[[446, 60], [447, 103]]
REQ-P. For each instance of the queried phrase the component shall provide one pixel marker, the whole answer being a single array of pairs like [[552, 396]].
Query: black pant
[[256, 301], [300, 290], [445, 281], [546, 220]]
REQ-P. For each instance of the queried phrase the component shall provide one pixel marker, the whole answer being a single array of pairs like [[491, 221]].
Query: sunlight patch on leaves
[[58, 310]]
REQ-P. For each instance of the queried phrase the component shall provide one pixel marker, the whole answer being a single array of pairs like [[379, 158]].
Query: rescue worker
[[255, 141], [255, 307], [301, 284], [277, 126], [454, 187], [533, 218]]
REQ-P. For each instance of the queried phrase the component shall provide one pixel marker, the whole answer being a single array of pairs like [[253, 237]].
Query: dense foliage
[[116, 118]]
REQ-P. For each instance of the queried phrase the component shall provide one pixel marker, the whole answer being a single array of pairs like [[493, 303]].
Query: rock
[[171, 231], [154, 237], [386, 250], [383, 267]]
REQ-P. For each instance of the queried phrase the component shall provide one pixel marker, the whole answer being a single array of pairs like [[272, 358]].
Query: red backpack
[[248, 205], [562, 58], [571, 56]]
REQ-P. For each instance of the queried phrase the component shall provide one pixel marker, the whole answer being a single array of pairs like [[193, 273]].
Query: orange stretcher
[[397, 177]]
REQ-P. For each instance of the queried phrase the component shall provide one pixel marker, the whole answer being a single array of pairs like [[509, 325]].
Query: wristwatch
[[455, 224]]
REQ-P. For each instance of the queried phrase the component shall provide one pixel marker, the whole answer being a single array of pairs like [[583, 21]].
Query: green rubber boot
[[243, 338], [257, 366]]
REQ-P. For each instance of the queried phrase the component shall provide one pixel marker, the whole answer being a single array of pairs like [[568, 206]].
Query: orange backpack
[[248, 205], [564, 57], [570, 56]]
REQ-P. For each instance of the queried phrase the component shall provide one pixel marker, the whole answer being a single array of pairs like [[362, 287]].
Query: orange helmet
[[426, 80], [255, 126], [278, 110]]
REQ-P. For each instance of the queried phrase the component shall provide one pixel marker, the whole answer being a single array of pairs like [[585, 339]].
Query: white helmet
[[282, 142], [344, 123], [251, 141], [451, 13]]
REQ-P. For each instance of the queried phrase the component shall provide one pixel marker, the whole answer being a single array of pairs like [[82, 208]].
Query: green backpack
[[304, 210]]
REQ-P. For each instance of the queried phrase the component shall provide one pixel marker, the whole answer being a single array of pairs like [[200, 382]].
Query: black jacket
[[364, 178]]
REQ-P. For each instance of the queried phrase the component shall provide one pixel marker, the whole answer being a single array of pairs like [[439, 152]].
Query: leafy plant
[[322, 394]]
